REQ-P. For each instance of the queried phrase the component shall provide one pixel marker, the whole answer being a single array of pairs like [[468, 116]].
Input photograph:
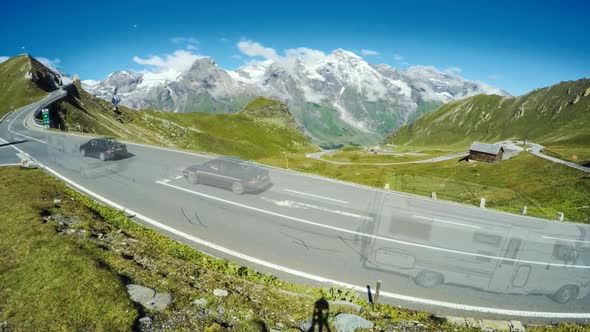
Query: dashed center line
[[316, 196], [564, 239], [445, 221]]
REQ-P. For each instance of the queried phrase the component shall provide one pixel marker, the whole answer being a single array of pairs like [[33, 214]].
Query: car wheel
[[237, 188], [83, 153], [102, 156], [429, 279], [193, 179], [565, 294]]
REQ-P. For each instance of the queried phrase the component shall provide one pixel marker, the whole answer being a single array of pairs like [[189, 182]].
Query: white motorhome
[[535, 257]]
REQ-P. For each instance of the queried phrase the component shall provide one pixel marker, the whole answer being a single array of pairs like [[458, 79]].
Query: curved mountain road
[[318, 156], [442, 257]]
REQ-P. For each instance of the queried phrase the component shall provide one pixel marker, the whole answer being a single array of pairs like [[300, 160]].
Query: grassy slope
[[554, 116], [46, 281], [57, 282], [263, 128], [16, 87], [523, 180]]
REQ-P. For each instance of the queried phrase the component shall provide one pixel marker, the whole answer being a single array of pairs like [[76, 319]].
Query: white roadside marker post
[[433, 195], [386, 186], [482, 203], [523, 212], [377, 291], [560, 216]]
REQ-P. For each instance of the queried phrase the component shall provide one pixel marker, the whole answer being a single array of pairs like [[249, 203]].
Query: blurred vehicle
[[103, 149], [229, 173], [501, 257]]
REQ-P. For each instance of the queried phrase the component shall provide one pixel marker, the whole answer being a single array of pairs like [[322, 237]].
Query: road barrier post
[[482, 203], [433, 195], [377, 291], [523, 212], [386, 186], [560, 216]]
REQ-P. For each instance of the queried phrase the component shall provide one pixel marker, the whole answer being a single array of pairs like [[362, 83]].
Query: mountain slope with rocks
[[338, 98], [24, 80], [558, 114]]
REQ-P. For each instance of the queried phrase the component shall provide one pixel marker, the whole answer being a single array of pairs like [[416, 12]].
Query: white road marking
[[19, 134], [29, 137], [318, 177], [444, 221], [316, 196], [194, 239], [294, 204], [377, 237], [179, 177], [564, 239], [165, 180]]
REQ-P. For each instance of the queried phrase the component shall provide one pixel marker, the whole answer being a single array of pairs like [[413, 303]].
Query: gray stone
[[354, 306], [516, 326], [494, 325], [148, 297], [3, 326], [459, 321], [350, 323], [146, 324], [220, 292], [305, 325], [200, 302]]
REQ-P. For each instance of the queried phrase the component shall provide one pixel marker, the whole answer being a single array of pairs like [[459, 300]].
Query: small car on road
[[104, 149], [234, 174]]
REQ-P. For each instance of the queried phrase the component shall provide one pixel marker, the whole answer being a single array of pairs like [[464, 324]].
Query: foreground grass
[[526, 180], [49, 282], [56, 279]]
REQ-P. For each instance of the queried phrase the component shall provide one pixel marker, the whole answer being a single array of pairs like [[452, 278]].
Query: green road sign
[[45, 113]]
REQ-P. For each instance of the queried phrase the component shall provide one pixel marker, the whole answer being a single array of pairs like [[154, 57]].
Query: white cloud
[[306, 55], [398, 57], [190, 43], [251, 48], [495, 77], [237, 57], [52, 64], [224, 40], [179, 61], [3, 58], [453, 71], [184, 40], [369, 52]]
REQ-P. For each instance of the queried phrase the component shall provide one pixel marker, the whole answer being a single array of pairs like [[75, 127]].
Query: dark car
[[230, 173], [103, 149]]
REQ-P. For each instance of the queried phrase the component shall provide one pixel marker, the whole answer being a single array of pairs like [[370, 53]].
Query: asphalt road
[[442, 257], [318, 156]]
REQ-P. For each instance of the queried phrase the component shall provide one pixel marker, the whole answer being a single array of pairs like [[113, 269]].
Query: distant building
[[491, 153]]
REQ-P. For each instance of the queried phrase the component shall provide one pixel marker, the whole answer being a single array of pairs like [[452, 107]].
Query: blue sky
[[514, 45]]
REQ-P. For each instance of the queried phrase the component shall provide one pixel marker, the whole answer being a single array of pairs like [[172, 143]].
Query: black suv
[[229, 173], [103, 149]]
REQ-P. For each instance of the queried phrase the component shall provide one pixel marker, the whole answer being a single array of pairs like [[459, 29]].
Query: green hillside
[[558, 115], [23, 80], [263, 128]]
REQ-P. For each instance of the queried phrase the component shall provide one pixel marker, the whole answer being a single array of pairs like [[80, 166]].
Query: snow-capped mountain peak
[[362, 99]]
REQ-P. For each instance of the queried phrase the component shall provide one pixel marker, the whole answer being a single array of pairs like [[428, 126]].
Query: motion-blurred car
[[229, 173], [103, 149]]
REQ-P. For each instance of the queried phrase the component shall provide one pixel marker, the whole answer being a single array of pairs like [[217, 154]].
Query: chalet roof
[[485, 147]]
